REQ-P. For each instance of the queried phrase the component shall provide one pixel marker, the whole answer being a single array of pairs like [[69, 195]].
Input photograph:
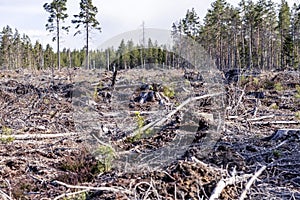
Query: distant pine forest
[[260, 35]]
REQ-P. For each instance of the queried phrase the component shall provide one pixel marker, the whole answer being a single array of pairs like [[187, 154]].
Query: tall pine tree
[[57, 10], [87, 18], [285, 35]]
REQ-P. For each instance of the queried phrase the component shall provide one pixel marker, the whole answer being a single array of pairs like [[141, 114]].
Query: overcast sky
[[115, 16]]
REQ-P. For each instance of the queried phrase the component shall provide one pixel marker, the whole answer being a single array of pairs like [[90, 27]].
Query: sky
[[115, 17]]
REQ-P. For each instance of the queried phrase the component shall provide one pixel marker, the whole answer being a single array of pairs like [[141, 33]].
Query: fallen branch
[[4, 195], [70, 194], [251, 181], [87, 188], [225, 182], [260, 118], [159, 122], [239, 101], [38, 136], [194, 159], [277, 122]]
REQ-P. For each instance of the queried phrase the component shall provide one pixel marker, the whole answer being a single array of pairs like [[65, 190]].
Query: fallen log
[[276, 122], [159, 122], [283, 134], [87, 188], [37, 136], [251, 181], [225, 182]]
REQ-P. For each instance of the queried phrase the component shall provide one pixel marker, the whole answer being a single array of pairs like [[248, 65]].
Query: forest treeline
[[259, 35]]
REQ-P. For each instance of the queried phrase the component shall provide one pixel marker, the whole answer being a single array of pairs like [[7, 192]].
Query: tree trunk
[[57, 37], [87, 47]]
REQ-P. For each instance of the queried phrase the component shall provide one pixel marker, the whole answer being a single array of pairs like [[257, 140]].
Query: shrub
[[278, 87], [297, 115], [168, 92], [255, 81], [105, 155], [79, 168], [297, 95], [6, 131], [274, 106]]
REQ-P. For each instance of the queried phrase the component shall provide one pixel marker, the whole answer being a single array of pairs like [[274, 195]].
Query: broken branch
[[251, 181]]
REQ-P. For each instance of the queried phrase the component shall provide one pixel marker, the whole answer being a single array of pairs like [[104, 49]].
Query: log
[[225, 182], [283, 133], [110, 189], [159, 122], [38, 136], [251, 181], [276, 122]]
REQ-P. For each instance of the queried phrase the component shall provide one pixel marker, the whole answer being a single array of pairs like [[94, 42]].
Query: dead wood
[[39, 136], [276, 122], [251, 181], [37, 114], [159, 122], [109, 189], [225, 182], [283, 134]]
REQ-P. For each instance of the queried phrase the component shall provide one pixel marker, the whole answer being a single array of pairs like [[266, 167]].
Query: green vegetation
[[168, 92], [79, 168], [297, 115], [140, 124], [105, 155], [140, 120], [297, 95], [243, 80], [81, 196], [276, 153], [278, 87], [274, 106], [6, 139], [7, 132], [256, 81]]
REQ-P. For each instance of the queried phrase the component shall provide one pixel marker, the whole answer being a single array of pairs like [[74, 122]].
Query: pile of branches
[[31, 104]]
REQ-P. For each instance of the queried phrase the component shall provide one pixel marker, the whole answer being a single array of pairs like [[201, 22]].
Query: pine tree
[[38, 57], [285, 35], [87, 18], [216, 31], [57, 10], [48, 57], [6, 47]]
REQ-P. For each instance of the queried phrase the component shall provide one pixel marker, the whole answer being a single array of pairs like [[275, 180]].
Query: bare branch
[[251, 181]]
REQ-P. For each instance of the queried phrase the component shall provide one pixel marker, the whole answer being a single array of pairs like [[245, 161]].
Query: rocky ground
[[73, 137]]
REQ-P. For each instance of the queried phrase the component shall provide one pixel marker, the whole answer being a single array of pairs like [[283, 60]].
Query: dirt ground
[[64, 136]]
